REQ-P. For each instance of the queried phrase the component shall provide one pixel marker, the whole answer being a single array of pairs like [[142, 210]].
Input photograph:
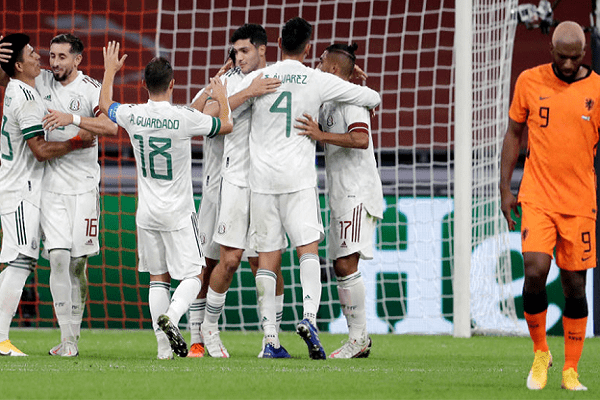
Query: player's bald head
[[568, 33]]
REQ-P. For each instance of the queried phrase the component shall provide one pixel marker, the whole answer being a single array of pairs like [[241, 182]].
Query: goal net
[[407, 49]]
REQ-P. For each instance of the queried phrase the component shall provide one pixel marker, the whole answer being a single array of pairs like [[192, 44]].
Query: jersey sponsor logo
[[221, 228], [544, 98], [585, 117], [589, 104], [75, 105], [343, 245], [525, 233], [90, 242], [48, 97]]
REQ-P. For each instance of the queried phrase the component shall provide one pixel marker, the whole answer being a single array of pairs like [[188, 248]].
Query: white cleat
[[165, 354], [65, 349], [353, 349], [213, 344], [262, 350]]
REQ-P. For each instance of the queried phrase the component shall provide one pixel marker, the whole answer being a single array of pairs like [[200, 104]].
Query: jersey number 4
[[286, 109]]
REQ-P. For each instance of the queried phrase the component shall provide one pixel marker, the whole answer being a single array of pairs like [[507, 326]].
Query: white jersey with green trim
[[20, 172], [352, 175], [212, 154], [281, 161], [160, 135], [236, 155], [78, 171]]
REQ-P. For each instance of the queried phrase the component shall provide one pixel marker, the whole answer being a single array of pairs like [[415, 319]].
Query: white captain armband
[[112, 111]]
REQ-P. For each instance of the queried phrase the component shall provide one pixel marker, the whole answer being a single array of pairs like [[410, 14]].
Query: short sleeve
[[357, 118], [519, 109], [29, 117]]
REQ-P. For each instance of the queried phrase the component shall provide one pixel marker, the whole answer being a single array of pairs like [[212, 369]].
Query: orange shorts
[[573, 237]]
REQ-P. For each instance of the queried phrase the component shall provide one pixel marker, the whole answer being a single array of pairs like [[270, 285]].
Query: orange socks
[[537, 330], [574, 338]]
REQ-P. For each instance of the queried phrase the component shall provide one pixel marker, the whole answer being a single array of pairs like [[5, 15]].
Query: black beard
[[59, 78], [563, 77]]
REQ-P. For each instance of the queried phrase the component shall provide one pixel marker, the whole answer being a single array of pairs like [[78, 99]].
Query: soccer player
[[24, 152], [560, 104], [167, 226], [355, 196], [283, 178], [249, 49], [70, 206]]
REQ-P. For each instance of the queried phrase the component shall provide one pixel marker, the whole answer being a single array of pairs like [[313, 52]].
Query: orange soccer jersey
[[563, 121]]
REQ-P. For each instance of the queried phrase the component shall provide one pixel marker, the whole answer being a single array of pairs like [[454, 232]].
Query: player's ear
[[307, 49], [172, 84], [78, 59], [262, 50], [279, 42]]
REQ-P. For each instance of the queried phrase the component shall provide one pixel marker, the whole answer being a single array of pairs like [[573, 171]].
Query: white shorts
[[71, 222], [273, 215], [352, 233], [207, 225], [177, 252], [234, 216], [20, 233]]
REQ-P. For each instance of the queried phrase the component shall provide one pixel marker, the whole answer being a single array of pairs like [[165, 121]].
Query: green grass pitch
[[120, 364]]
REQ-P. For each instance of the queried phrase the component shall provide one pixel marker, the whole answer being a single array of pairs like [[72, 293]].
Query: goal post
[[440, 261]]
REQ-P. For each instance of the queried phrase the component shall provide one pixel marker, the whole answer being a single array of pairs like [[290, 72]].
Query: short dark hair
[[295, 34], [344, 55], [158, 75], [74, 41], [256, 33], [18, 41]]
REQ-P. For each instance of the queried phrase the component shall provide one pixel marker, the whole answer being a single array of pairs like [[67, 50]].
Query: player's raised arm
[[5, 53], [219, 93], [112, 64]]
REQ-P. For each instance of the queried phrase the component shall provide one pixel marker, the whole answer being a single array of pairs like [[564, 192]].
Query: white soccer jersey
[[78, 171], [212, 155], [160, 135], [236, 154], [20, 173], [352, 174], [281, 161]]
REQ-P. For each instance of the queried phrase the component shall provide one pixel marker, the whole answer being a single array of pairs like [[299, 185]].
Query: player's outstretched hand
[[509, 203], [260, 86], [112, 63], [309, 127], [226, 67], [358, 73], [5, 52], [55, 119]]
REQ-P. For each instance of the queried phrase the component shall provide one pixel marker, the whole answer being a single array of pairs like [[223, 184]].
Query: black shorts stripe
[[20, 226], [196, 234]]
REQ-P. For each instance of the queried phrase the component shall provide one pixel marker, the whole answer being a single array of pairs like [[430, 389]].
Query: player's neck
[[27, 80], [72, 76], [295, 57], [160, 96]]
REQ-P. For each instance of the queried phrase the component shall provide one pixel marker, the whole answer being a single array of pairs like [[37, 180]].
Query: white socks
[[197, 311], [214, 307], [351, 291], [310, 279], [14, 278], [60, 287], [278, 311], [183, 296], [79, 293], [159, 298], [265, 286]]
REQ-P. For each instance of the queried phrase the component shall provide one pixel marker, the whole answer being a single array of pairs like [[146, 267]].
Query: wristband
[[76, 120], [76, 142]]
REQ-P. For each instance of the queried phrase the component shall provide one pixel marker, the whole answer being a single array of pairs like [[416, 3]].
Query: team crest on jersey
[[330, 120], [589, 104], [75, 104], [7, 101], [525, 233]]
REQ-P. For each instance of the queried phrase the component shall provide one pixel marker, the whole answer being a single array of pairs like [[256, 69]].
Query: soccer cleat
[[570, 380], [538, 375], [213, 345], [353, 349], [197, 350], [271, 351], [69, 349], [56, 350], [165, 354], [7, 349], [176, 340], [309, 333]]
